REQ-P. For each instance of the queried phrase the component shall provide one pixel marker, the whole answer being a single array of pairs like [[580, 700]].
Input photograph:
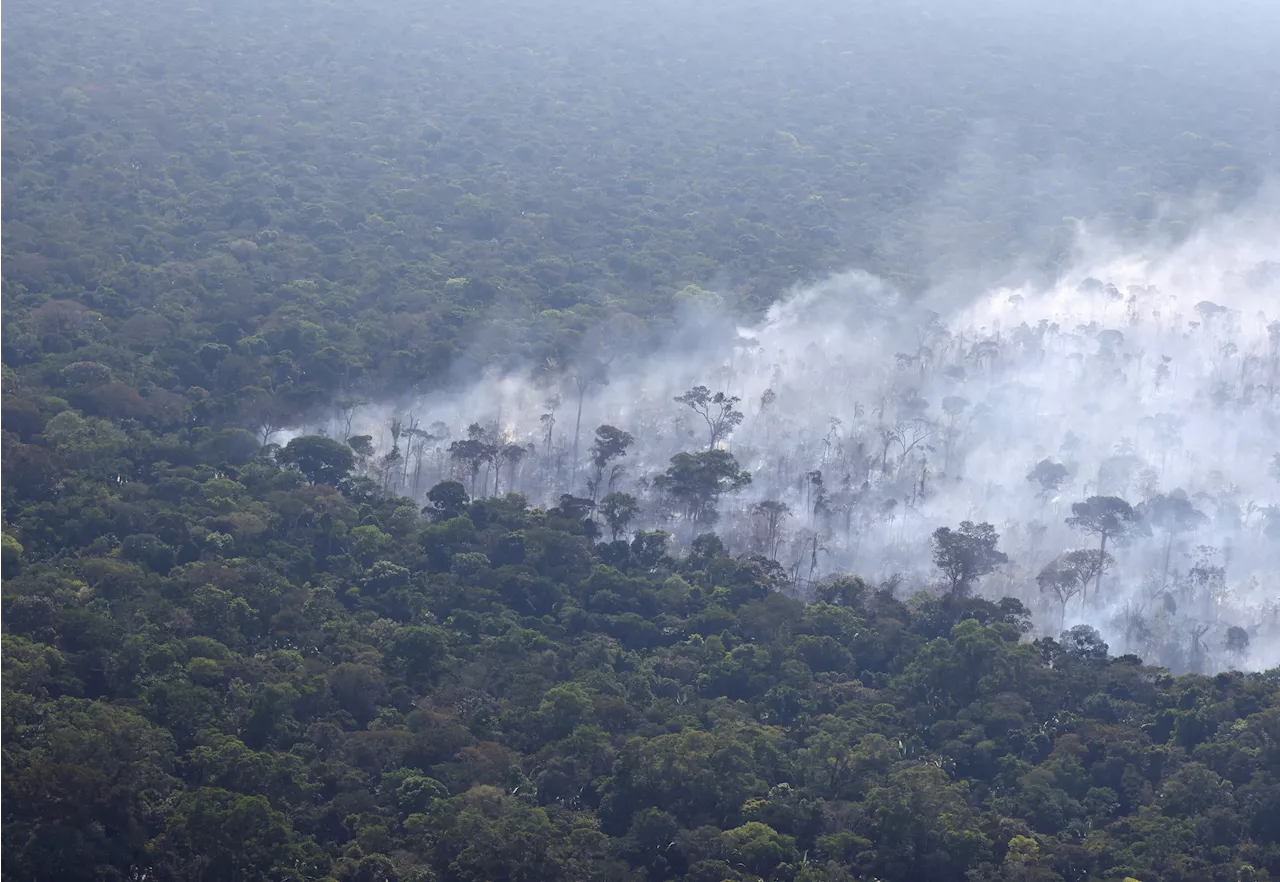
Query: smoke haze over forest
[[1144, 371]]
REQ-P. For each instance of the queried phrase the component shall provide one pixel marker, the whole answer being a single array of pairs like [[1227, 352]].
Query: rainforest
[[501, 441]]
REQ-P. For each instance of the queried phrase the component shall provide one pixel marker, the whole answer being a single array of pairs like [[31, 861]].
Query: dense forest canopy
[[641, 441]]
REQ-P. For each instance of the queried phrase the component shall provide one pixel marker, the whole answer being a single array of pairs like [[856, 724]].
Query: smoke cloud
[[877, 419]]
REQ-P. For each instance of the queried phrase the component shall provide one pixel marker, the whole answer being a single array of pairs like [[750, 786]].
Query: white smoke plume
[[877, 419]]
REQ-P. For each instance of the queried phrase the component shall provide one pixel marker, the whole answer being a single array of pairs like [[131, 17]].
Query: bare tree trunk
[[1097, 585], [577, 435]]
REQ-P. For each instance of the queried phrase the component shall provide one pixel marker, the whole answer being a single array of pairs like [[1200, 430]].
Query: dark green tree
[[321, 460], [446, 500], [966, 555], [618, 510], [213, 834], [696, 481], [10, 556]]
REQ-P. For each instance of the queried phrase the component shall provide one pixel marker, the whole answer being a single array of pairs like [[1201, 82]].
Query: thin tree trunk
[[1102, 559], [577, 434]]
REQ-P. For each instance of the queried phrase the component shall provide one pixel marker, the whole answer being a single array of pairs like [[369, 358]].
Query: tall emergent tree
[[967, 554], [1109, 518], [1172, 514], [610, 443], [1067, 575], [592, 372], [718, 410], [1048, 476], [472, 452], [772, 512]]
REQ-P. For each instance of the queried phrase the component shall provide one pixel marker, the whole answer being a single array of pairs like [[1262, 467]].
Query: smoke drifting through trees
[[1118, 429]]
